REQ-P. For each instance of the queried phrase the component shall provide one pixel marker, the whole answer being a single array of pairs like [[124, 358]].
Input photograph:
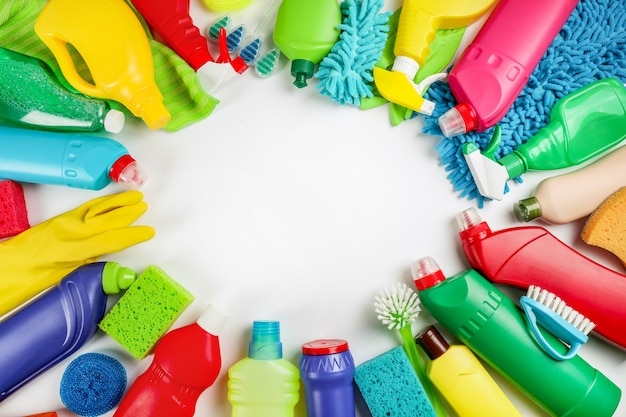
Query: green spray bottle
[[583, 124], [495, 329], [305, 32], [33, 97]]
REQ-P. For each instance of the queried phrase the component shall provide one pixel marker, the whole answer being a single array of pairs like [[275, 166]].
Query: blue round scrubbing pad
[[93, 384]]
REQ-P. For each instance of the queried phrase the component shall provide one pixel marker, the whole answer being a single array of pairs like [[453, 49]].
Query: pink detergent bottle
[[496, 66], [186, 362]]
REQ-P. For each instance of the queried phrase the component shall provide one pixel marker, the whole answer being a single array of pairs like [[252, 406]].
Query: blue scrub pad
[[390, 386], [345, 74], [93, 384], [590, 46]]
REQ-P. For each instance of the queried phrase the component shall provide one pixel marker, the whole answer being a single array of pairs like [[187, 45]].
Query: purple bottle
[[327, 372], [53, 326]]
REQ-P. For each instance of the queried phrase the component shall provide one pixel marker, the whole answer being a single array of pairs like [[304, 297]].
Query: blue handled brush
[[545, 309]]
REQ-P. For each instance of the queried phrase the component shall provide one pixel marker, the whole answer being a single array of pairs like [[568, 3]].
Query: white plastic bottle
[[574, 195]]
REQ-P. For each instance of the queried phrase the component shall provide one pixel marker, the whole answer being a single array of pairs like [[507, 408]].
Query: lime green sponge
[[146, 311]]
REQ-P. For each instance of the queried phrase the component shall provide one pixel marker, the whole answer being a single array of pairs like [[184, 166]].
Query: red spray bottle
[[171, 21], [186, 362], [531, 255]]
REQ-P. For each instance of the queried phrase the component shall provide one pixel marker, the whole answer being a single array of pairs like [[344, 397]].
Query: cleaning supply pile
[[503, 103]]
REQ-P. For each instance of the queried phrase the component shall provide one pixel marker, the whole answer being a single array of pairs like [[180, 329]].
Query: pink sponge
[[13, 214]]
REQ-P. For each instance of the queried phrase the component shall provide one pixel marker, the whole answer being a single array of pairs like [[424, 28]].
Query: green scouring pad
[[146, 311]]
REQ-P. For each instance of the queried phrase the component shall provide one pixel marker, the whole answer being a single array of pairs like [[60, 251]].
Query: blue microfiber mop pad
[[391, 388], [93, 384], [590, 46], [345, 74]]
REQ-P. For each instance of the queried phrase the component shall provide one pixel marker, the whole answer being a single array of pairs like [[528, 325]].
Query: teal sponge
[[390, 386], [146, 311]]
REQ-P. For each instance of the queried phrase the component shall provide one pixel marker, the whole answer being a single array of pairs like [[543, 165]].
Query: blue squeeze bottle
[[52, 327], [74, 160]]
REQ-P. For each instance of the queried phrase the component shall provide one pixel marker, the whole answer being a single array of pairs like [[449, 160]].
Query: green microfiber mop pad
[[391, 388], [146, 311], [182, 94], [345, 74]]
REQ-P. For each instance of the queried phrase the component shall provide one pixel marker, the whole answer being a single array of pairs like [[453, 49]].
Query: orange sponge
[[606, 226], [13, 214]]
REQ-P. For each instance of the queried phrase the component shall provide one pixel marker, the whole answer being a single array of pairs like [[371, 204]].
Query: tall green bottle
[[305, 32], [32, 97], [495, 329]]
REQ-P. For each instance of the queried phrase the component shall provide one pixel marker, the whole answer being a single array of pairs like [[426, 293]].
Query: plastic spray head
[[527, 209], [426, 273], [116, 278], [127, 172], [459, 120], [265, 343], [302, 70], [114, 121], [490, 176]]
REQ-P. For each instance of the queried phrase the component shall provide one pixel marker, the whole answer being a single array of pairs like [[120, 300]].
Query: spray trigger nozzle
[[489, 175]]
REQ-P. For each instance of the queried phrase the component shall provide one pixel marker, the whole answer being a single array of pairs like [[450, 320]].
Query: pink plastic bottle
[[186, 362], [496, 66]]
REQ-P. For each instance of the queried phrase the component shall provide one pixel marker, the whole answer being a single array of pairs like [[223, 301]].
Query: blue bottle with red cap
[[327, 371]]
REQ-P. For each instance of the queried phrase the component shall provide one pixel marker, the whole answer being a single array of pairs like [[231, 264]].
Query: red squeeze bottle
[[530, 255], [170, 20], [186, 362]]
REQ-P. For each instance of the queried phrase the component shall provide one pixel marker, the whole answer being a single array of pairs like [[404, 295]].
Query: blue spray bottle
[[53, 326], [74, 160]]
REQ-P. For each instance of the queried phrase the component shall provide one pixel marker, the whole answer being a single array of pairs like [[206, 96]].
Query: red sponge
[[13, 214]]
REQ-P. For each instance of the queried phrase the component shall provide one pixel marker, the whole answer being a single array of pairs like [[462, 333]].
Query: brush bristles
[[398, 306], [560, 307]]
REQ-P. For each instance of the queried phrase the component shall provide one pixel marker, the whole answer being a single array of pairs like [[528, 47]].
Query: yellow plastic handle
[[66, 63], [420, 19]]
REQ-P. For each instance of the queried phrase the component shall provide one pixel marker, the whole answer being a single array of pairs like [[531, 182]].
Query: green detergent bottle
[[583, 124], [32, 97], [496, 330], [305, 32]]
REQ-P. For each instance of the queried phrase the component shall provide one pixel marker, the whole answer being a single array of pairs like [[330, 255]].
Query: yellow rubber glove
[[41, 256]]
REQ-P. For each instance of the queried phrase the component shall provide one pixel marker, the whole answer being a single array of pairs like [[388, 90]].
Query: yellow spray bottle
[[419, 21], [113, 44]]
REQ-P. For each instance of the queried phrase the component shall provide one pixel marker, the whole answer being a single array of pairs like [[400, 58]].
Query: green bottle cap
[[302, 69], [116, 277], [514, 164], [527, 209]]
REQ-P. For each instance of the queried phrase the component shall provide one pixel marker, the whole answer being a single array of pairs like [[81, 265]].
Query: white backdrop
[[285, 205]]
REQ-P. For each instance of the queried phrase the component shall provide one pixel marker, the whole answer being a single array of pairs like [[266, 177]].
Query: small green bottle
[[32, 97], [583, 124], [495, 329], [264, 384], [305, 32]]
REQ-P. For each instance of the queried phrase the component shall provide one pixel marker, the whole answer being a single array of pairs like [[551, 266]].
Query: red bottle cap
[[324, 347]]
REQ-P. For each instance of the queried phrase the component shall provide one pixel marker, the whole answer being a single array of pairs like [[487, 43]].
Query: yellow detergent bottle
[[417, 27], [113, 44]]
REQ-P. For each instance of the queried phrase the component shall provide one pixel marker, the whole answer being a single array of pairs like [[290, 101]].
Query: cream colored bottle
[[568, 197]]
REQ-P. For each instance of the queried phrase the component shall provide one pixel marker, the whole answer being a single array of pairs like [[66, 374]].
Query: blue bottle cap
[[265, 343]]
